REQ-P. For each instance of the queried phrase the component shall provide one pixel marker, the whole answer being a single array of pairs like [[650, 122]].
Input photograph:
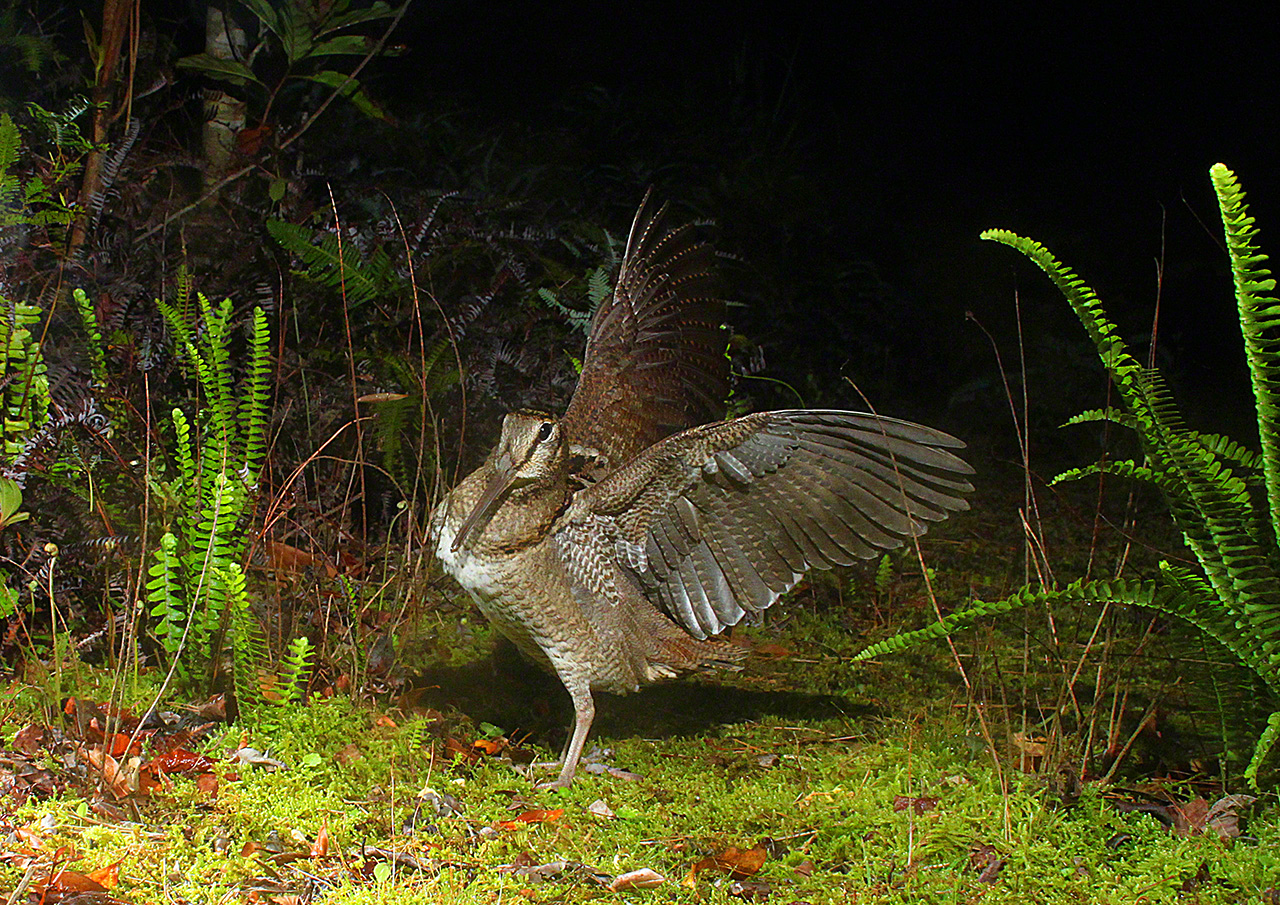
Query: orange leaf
[[69, 881], [534, 816], [489, 746], [108, 876], [120, 745], [207, 784], [320, 847], [287, 558], [741, 864], [540, 816], [738, 863]]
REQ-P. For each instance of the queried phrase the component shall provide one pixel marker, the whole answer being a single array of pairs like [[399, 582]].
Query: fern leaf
[[1260, 751], [1259, 321], [328, 262], [255, 402], [1112, 415]]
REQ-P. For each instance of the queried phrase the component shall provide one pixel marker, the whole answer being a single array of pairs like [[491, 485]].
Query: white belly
[[462, 565]]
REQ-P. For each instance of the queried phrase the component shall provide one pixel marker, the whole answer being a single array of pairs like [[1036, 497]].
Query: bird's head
[[530, 452]]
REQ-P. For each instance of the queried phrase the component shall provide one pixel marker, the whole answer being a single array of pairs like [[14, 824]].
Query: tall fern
[[196, 587], [1209, 482]]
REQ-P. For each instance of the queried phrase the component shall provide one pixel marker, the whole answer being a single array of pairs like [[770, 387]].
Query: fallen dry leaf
[[750, 890], [1224, 816], [490, 746], [737, 863], [207, 784], [919, 805], [455, 747], [183, 762], [644, 878], [122, 779], [108, 877], [985, 859], [30, 739], [320, 847], [349, 754], [1191, 818], [286, 558], [600, 809]]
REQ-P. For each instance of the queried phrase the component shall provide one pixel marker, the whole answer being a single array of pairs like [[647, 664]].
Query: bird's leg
[[584, 712], [553, 764]]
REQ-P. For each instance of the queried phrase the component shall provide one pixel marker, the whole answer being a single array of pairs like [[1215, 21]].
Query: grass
[[872, 784]]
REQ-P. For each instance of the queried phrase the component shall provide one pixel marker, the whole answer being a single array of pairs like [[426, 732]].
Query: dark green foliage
[[1223, 498], [327, 262], [299, 41]]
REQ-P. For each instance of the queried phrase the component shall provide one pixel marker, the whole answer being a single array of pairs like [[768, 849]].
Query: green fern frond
[[93, 337], [1112, 415], [948, 625], [1122, 468], [248, 646], [9, 187], [164, 595], [1259, 321], [217, 475], [255, 400], [331, 264], [294, 669], [184, 452], [1228, 449], [1260, 751]]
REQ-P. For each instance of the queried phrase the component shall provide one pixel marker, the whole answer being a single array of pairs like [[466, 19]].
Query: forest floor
[[926, 776]]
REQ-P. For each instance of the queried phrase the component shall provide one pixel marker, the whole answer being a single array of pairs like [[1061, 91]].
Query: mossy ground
[[863, 782]]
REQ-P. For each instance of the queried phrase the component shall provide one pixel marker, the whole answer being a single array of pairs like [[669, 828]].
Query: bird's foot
[[557, 783]]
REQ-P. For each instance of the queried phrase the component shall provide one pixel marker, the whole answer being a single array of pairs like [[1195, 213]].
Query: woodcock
[[611, 544]]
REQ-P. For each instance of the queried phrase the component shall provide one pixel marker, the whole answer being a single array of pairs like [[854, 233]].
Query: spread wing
[[655, 360], [721, 520]]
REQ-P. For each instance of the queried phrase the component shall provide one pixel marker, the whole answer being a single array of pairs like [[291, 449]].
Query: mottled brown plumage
[[610, 545]]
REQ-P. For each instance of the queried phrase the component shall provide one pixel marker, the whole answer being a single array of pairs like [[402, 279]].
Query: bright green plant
[[196, 588], [11, 503], [1225, 499], [24, 397], [94, 343], [24, 386]]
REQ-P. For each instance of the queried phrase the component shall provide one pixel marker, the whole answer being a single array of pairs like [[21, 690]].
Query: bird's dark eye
[[544, 432]]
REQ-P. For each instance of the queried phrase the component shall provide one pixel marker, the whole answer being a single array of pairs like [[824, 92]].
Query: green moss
[[817, 783]]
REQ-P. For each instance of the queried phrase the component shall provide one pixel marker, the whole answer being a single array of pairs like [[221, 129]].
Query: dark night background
[[849, 157], [904, 132]]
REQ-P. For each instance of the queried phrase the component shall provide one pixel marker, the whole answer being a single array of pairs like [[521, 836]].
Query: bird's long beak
[[499, 482]]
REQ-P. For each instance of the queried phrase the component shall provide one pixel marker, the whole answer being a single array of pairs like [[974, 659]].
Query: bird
[[615, 544]]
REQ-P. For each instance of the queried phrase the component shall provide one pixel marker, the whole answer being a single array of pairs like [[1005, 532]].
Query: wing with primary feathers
[[655, 360], [721, 520]]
